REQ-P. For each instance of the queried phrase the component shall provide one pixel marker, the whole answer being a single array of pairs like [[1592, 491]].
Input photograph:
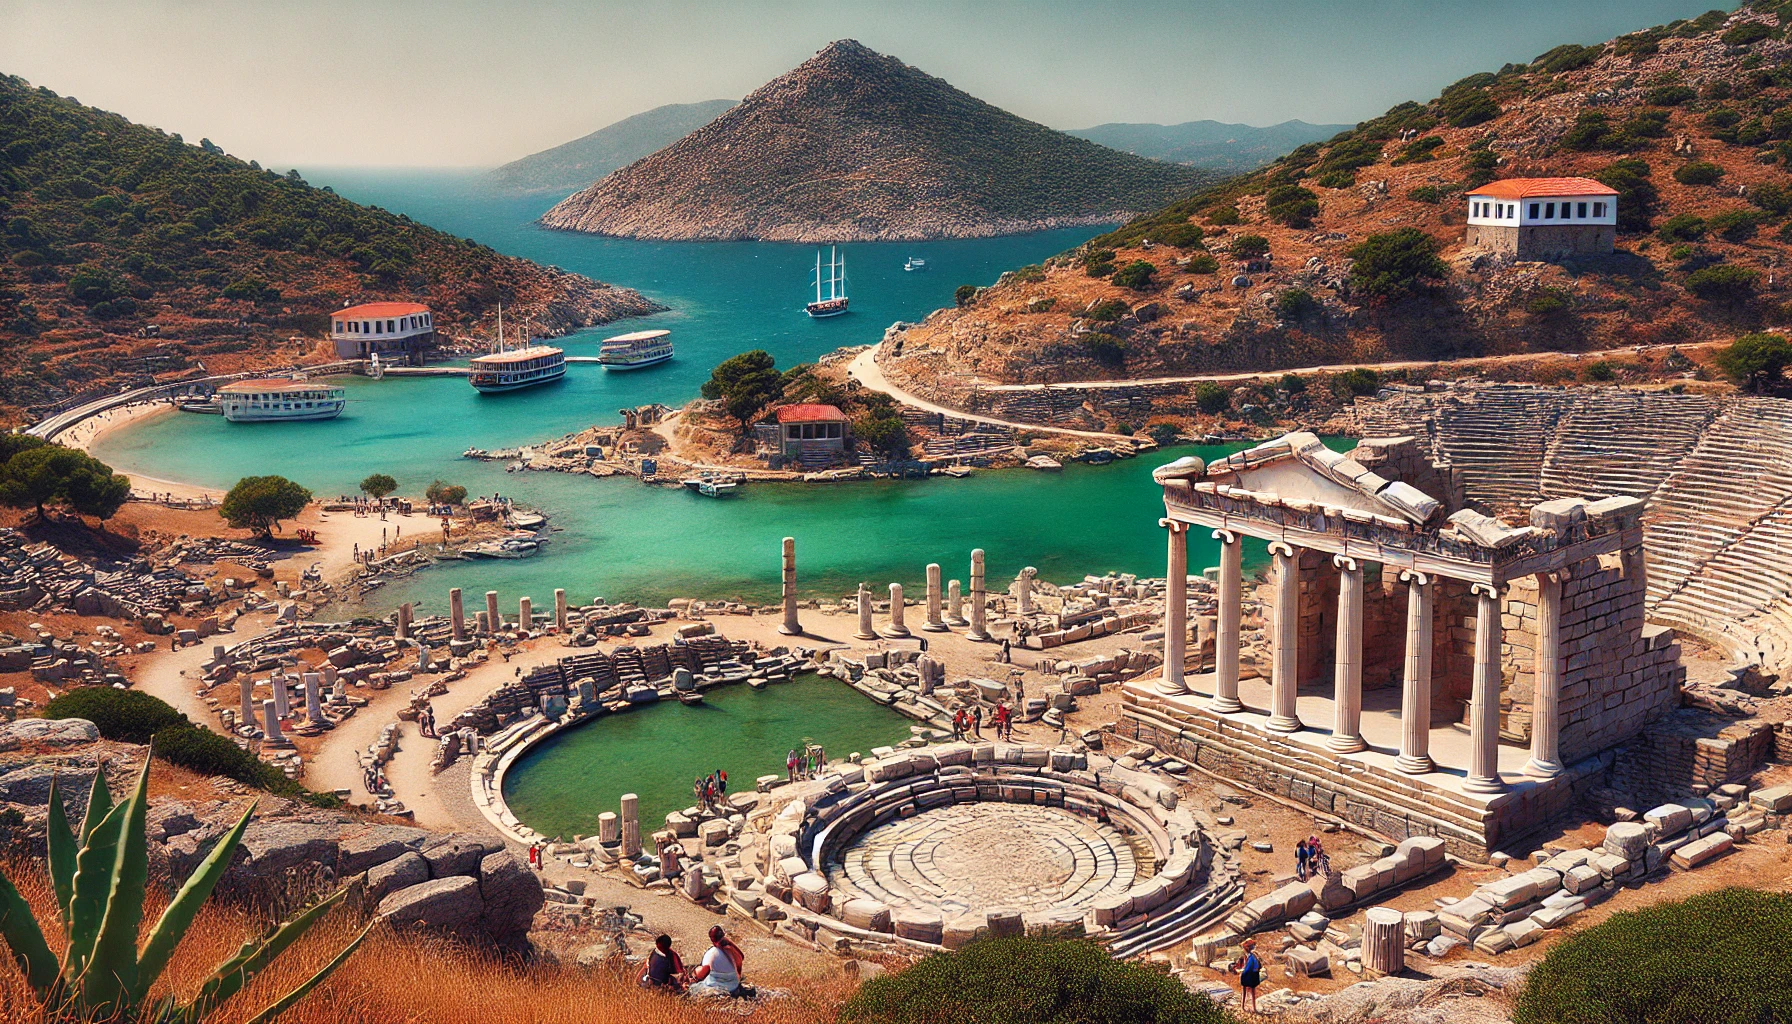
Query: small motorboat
[[526, 519], [914, 263], [509, 547], [211, 406], [690, 698], [717, 488]]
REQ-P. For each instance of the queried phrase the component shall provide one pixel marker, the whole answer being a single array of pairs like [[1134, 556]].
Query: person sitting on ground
[[664, 969], [720, 972]]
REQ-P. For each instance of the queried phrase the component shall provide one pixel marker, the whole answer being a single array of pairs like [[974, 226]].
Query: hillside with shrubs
[[1353, 250], [128, 254]]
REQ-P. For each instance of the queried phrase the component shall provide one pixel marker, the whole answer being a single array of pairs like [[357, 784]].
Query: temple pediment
[[1297, 470]]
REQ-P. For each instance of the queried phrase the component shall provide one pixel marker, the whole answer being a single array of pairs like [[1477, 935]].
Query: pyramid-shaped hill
[[856, 146]]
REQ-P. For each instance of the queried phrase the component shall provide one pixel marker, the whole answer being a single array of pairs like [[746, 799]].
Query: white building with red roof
[[388, 329], [1544, 218], [812, 434]]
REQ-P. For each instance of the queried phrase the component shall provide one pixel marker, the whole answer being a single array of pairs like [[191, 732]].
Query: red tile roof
[[373, 309], [1526, 188], [810, 413]]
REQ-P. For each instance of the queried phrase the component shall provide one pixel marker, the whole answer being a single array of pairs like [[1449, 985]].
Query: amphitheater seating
[[1498, 438], [1622, 442]]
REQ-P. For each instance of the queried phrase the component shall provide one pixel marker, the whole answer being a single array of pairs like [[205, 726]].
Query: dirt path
[[865, 370]]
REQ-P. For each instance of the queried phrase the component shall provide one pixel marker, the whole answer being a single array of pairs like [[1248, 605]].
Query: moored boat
[[511, 369], [509, 547], [635, 351], [717, 488], [834, 302], [914, 263], [280, 400]]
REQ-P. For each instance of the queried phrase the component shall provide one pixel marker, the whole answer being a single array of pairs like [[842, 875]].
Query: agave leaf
[[172, 926], [110, 980], [286, 1001], [239, 970], [99, 804], [61, 843], [94, 864], [26, 940]]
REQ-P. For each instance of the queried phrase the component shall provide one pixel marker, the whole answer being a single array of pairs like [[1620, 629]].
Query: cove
[[560, 787]]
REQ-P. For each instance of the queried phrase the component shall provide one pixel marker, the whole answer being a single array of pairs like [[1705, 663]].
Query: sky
[[474, 83]]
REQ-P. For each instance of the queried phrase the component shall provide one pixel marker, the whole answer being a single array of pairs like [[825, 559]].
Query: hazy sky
[[478, 82]]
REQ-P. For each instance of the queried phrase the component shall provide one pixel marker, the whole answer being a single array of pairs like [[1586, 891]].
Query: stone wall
[[1693, 748]]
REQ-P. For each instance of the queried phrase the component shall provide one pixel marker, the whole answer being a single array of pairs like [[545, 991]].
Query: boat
[[280, 400], [511, 369], [509, 547], [209, 405], [689, 697], [635, 351], [834, 303], [524, 519], [914, 263], [717, 488], [1044, 463]]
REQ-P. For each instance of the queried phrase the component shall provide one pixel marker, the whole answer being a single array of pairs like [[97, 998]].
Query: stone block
[[1626, 839], [1361, 881], [1557, 916], [450, 904], [407, 869], [1523, 933], [1430, 848], [1581, 878], [1493, 941], [1776, 799], [1004, 923], [1669, 819], [1296, 899], [1308, 963], [811, 890], [1422, 924], [1507, 893], [962, 929], [917, 924], [1464, 916], [1699, 851], [868, 914]]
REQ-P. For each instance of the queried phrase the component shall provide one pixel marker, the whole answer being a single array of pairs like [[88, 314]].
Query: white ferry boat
[[834, 302], [635, 351], [509, 370], [914, 263], [280, 399]]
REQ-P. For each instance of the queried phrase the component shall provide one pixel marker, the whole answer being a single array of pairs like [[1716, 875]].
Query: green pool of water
[[560, 787]]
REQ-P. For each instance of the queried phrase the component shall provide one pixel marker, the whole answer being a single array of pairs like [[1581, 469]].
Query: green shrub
[[1670, 95], [1212, 399], [1296, 304], [1108, 310], [1419, 151], [1292, 383], [1548, 302], [1396, 264], [1775, 199], [1567, 57], [1291, 205], [1221, 216], [1432, 194], [1722, 283], [1719, 956], [1164, 434], [963, 294], [1137, 275], [1099, 262], [1182, 236], [1755, 361], [1722, 117], [1202, 263], [1032, 273], [259, 503], [1601, 370], [1747, 33], [1465, 108], [1342, 178], [128, 716], [249, 288], [209, 753], [1735, 225], [1698, 172], [441, 492], [1591, 130], [1247, 247], [1636, 193], [1681, 227], [1106, 350], [1035, 981], [1356, 383]]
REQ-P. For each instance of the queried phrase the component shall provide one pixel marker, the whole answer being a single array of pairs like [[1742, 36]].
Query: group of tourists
[[373, 779], [719, 973], [967, 723], [426, 722], [806, 763], [712, 791], [1311, 860]]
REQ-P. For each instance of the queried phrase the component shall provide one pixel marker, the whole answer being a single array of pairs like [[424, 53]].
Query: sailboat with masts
[[508, 370], [834, 302]]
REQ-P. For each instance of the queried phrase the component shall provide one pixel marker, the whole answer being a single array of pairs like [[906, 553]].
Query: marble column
[[1175, 611], [245, 714], [609, 828], [1231, 608], [934, 623], [898, 628], [457, 614], [954, 604], [270, 722], [525, 614], [1546, 760], [1415, 695], [402, 627], [791, 626], [1285, 644], [282, 701], [560, 609], [493, 621], [1484, 705], [1347, 684], [979, 600], [631, 826], [866, 630], [314, 698], [1027, 576]]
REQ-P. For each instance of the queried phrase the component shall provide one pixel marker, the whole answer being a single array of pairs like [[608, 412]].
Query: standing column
[[314, 698], [270, 722], [402, 628], [954, 604], [1545, 760], [934, 623], [1175, 611], [791, 626], [1225, 644], [631, 826], [1347, 685], [1484, 707], [560, 609], [525, 614], [245, 712], [979, 602], [457, 614], [1415, 698], [1285, 670], [282, 702], [866, 632], [1026, 589], [493, 623], [897, 628]]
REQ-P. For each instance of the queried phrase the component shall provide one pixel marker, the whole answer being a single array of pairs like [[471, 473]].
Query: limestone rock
[[450, 905], [48, 732], [377, 845], [407, 869], [453, 855], [511, 894]]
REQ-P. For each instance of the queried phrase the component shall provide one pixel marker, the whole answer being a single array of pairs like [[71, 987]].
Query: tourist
[[821, 759], [1007, 653], [1250, 975], [663, 969], [1322, 865], [702, 793], [790, 765], [721, 783], [719, 974], [958, 724], [1300, 860], [977, 720]]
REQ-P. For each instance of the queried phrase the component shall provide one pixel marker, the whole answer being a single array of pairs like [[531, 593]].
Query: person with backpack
[[1250, 975]]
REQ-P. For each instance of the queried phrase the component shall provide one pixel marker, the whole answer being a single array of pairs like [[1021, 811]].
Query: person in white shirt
[[719, 973]]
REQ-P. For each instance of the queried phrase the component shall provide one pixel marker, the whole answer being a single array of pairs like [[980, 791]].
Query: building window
[[1580, 210], [390, 327], [1534, 207], [1549, 211], [1598, 209]]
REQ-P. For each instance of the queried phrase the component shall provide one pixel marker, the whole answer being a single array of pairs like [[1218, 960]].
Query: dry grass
[[401, 979]]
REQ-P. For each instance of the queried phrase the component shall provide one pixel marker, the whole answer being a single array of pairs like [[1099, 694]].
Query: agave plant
[[99, 882]]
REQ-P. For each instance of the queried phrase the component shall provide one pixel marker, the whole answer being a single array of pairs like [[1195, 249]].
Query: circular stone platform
[[979, 856]]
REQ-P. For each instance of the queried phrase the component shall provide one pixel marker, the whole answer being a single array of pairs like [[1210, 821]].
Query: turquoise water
[[619, 539], [655, 752]]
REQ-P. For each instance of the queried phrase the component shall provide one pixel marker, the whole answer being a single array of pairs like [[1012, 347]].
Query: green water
[[560, 787]]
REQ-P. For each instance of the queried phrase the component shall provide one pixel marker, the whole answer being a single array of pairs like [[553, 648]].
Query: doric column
[[631, 826], [560, 609], [1285, 671], [866, 630], [1225, 643], [494, 623], [1347, 685], [979, 600], [934, 623], [457, 613], [1025, 589], [1415, 698], [1546, 760], [898, 628], [1175, 610], [314, 698], [525, 614], [282, 700], [1484, 706], [270, 722], [955, 604], [401, 627], [245, 713], [791, 626]]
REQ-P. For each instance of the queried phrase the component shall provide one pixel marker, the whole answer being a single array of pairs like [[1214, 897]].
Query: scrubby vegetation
[[129, 716], [1756, 361], [38, 475], [262, 503]]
